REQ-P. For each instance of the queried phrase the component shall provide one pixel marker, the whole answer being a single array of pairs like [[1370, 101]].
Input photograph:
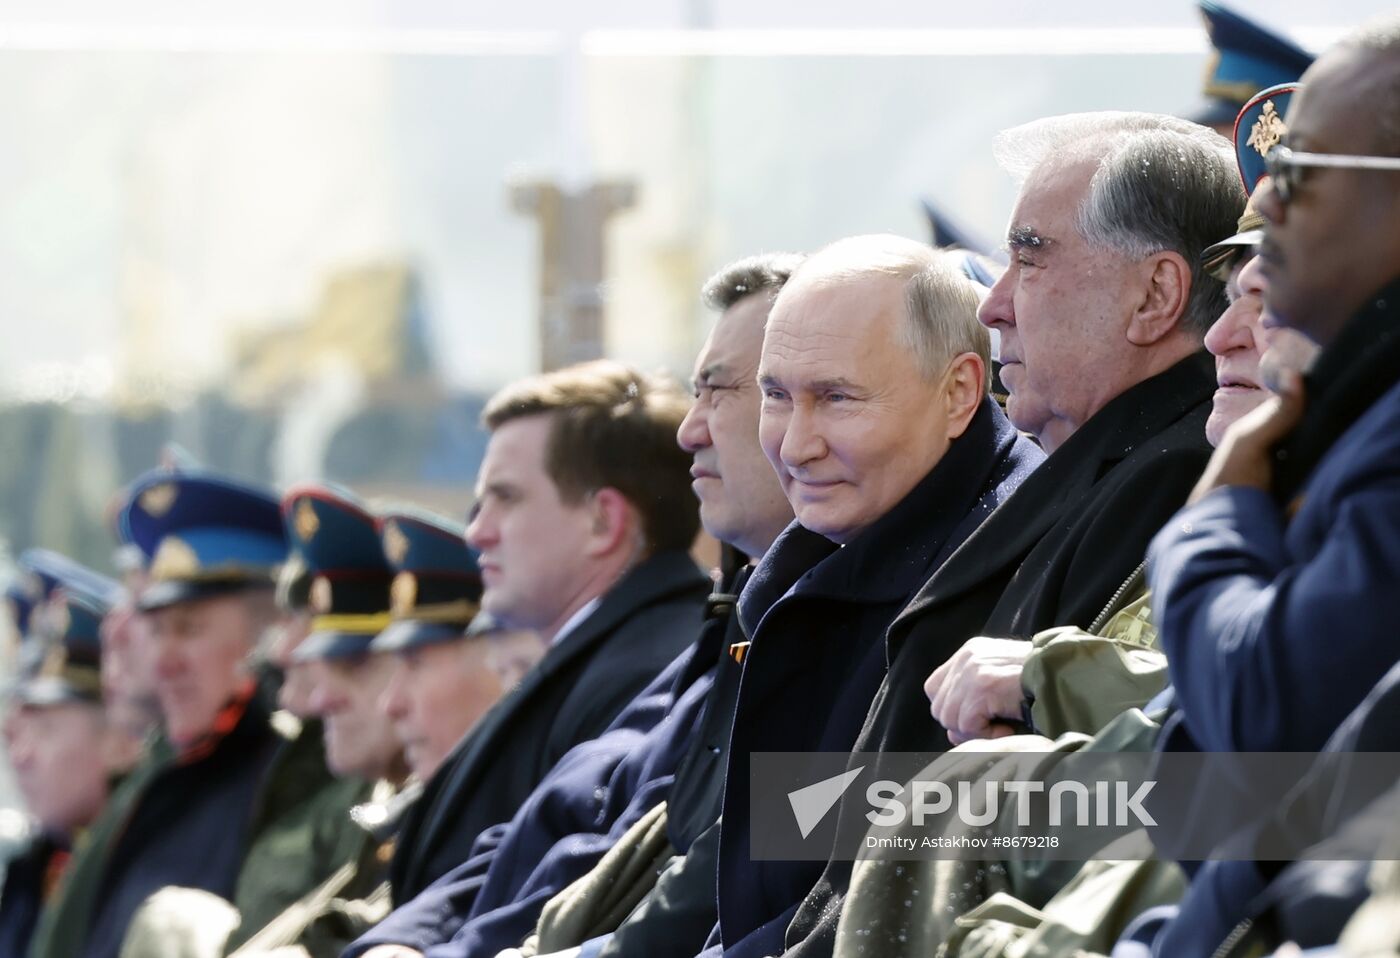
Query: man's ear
[[613, 521], [965, 384], [1165, 286]]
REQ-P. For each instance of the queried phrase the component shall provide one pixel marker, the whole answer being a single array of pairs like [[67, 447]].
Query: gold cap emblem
[[305, 520], [320, 596], [55, 660], [158, 499], [395, 542], [174, 559], [403, 593], [1267, 131]]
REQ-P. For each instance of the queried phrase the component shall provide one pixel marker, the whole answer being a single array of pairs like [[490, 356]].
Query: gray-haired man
[[1101, 315]]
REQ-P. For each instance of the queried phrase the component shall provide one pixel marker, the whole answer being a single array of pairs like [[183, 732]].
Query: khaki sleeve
[[1077, 681]]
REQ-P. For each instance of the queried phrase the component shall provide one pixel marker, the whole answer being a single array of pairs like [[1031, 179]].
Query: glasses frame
[[1283, 166]]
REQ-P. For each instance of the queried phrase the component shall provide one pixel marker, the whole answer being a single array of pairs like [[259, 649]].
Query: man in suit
[[582, 524]]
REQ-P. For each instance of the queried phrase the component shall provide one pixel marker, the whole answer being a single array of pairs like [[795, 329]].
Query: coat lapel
[[1060, 483], [656, 578]]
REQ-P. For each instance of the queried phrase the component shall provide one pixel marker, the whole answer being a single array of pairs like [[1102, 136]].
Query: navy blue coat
[[818, 614], [1272, 627], [552, 793], [27, 876]]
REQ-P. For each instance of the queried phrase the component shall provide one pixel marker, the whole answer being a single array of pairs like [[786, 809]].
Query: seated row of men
[[904, 561]]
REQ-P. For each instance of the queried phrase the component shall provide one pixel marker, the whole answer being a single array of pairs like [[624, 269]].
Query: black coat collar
[[1350, 375], [1133, 417], [893, 557]]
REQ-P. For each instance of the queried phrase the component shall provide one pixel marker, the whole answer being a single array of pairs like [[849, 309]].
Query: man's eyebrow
[[708, 373], [1027, 237], [837, 382]]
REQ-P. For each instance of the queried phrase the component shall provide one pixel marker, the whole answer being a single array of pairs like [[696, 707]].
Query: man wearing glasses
[[1295, 526]]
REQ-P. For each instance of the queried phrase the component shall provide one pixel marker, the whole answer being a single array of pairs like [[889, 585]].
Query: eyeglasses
[[1285, 167]]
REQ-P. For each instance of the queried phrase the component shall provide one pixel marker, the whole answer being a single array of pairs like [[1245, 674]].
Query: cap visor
[[52, 691], [334, 645], [160, 595], [409, 634]]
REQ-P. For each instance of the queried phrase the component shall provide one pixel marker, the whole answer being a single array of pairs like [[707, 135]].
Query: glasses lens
[[1281, 172]]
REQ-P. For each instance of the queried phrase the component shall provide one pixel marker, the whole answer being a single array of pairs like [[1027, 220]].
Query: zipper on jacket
[[1115, 603], [1233, 938]]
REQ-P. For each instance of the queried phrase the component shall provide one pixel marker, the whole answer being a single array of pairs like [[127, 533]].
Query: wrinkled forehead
[[736, 340], [833, 318], [1052, 193]]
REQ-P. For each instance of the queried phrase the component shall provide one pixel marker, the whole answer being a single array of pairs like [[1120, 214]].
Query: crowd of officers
[[1168, 519]]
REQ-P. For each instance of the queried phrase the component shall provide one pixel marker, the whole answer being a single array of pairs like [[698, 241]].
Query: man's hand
[[392, 951], [977, 687], [1244, 458]]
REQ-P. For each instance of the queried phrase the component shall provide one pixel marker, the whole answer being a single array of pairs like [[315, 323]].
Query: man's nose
[[802, 441], [996, 309], [694, 431]]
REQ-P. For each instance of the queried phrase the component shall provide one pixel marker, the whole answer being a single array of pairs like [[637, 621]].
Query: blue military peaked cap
[[69, 666], [437, 587], [47, 570], [337, 538], [1247, 59], [1258, 129], [202, 535], [19, 599], [46, 576]]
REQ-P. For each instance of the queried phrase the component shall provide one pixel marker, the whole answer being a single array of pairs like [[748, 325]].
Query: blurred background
[[306, 241]]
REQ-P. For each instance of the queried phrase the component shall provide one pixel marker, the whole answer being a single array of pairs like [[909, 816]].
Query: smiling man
[[1101, 313], [876, 419]]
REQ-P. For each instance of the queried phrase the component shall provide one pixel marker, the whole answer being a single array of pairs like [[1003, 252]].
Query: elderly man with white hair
[[1101, 315]]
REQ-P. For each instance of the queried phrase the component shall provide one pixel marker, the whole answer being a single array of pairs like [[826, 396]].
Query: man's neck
[[596, 586]]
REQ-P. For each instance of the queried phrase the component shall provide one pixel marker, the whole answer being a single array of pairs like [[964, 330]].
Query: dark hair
[[612, 426], [752, 274]]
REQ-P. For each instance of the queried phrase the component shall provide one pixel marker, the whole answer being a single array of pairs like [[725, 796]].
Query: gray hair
[[1382, 38], [766, 272], [940, 301], [1159, 184]]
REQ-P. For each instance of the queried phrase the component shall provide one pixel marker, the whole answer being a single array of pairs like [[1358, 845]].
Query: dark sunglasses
[[1285, 167]]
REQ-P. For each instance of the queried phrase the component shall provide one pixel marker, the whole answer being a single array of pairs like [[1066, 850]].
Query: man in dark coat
[[677, 730], [1106, 373], [877, 420], [61, 747], [582, 523], [1296, 525]]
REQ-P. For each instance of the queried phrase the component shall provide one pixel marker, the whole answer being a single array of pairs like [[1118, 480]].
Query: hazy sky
[[176, 171]]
